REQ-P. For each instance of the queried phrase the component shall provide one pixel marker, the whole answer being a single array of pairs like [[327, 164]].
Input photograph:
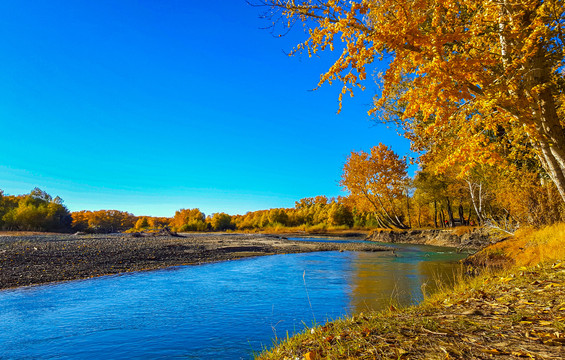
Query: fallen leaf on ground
[[311, 355]]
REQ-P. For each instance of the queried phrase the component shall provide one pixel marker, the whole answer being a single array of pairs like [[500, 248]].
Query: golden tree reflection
[[381, 280]]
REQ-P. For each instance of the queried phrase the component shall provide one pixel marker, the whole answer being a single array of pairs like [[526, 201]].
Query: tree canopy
[[470, 82], [376, 182], [36, 211]]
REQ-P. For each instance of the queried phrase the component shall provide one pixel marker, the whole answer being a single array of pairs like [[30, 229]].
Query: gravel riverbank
[[43, 258]]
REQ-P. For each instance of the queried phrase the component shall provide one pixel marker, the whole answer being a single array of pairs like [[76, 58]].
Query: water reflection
[[400, 278]]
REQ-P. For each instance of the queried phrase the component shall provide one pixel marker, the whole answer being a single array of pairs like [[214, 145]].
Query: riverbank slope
[[29, 259], [464, 238]]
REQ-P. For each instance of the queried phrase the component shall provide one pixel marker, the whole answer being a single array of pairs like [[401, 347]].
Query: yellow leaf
[[491, 351], [522, 354], [549, 286], [311, 355]]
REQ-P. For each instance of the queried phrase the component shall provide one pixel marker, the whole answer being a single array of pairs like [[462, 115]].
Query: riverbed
[[226, 310]]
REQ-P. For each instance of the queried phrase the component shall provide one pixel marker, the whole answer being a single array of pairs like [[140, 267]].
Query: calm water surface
[[216, 311]]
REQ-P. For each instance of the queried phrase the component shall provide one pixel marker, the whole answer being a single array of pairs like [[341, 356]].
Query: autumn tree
[[447, 196], [142, 223], [103, 221], [521, 199], [158, 222], [278, 216], [339, 215], [80, 220], [189, 220], [458, 71], [377, 181], [34, 211], [221, 221]]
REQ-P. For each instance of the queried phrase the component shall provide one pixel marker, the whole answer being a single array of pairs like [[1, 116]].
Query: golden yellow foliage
[[376, 181], [103, 220], [469, 81], [530, 246]]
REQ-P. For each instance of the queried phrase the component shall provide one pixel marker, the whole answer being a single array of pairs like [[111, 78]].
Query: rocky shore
[[473, 239], [42, 258]]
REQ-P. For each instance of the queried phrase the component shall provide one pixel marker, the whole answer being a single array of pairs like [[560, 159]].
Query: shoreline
[[518, 313], [461, 238], [48, 258], [510, 306]]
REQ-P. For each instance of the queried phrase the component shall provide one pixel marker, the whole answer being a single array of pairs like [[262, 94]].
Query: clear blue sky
[[153, 106]]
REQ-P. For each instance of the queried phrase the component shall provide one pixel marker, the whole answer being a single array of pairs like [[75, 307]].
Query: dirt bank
[[36, 259], [472, 239]]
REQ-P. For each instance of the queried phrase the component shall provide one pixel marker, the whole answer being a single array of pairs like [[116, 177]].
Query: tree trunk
[[469, 216], [477, 200], [450, 213], [408, 210], [387, 217], [550, 162], [435, 213], [381, 222], [461, 215], [551, 139]]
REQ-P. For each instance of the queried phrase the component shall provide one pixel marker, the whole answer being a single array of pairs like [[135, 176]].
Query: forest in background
[[380, 195]]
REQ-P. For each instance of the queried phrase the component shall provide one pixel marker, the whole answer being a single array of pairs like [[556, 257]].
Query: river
[[226, 310]]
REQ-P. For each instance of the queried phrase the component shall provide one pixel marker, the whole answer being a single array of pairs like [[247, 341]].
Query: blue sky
[[153, 106]]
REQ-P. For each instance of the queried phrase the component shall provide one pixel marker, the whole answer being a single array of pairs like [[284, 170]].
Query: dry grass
[[28, 233], [544, 245], [462, 230], [526, 248]]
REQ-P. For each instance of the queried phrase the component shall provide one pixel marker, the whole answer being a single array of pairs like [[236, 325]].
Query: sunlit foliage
[[505, 198], [469, 82], [221, 221], [142, 223], [103, 221], [189, 220], [37, 211], [377, 182]]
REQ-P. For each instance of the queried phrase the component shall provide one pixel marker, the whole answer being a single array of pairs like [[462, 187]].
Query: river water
[[227, 310]]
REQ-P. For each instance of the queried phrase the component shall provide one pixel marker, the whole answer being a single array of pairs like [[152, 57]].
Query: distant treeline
[[381, 195], [311, 213]]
